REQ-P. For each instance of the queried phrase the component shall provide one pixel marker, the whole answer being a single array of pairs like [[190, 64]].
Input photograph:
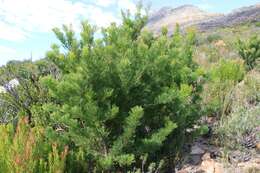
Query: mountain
[[189, 15], [238, 16]]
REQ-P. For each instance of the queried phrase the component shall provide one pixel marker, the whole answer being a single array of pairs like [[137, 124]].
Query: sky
[[26, 25]]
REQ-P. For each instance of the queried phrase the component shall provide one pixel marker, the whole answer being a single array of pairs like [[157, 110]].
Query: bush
[[245, 116], [257, 24], [247, 93], [249, 51], [124, 97], [213, 37], [233, 128], [23, 149], [27, 93], [222, 79]]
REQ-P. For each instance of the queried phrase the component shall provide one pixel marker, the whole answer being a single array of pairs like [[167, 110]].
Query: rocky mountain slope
[[189, 15]]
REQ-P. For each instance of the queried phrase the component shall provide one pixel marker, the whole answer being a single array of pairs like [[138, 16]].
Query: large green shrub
[[122, 98]]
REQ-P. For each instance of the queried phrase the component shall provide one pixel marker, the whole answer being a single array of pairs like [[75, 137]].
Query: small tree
[[249, 51], [124, 96]]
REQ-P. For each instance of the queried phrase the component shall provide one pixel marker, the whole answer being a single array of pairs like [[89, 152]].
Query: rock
[[182, 171], [196, 150], [249, 141], [216, 153], [195, 159], [238, 156], [235, 157], [210, 166], [258, 146], [206, 156], [219, 168]]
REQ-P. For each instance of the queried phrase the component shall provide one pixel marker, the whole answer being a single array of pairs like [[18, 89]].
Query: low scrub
[[23, 149], [245, 112], [223, 77], [233, 129]]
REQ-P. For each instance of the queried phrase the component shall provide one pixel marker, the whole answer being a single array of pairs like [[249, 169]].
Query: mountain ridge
[[190, 15]]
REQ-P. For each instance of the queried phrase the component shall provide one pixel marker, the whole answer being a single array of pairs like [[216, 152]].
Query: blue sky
[[25, 25]]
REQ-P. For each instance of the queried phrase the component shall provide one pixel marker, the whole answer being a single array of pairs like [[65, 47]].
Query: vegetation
[[126, 102], [23, 149], [250, 51], [120, 101], [214, 37], [223, 77], [244, 117]]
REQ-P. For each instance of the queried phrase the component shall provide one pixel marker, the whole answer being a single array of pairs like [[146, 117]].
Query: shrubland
[[120, 103], [125, 102]]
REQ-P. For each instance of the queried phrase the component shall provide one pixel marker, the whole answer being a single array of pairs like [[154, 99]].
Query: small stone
[[215, 154], [219, 168], [196, 150], [249, 141], [206, 156], [258, 146], [182, 171], [208, 166], [195, 159], [247, 156]]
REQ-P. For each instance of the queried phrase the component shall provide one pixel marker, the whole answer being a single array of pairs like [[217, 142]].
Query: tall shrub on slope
[[123, 97]]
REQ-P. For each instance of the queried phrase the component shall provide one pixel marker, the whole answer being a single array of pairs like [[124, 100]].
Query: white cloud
[[23, 17], [8, 32], [105, 3], [127, 5], [6, 50], [101, 19], [8, 53], [205, 5]]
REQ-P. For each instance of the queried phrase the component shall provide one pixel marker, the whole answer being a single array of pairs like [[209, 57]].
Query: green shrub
[[247, 92], [222, 79], [20, 99], [245, 112], [257, 24], [249, 51], [122, 97], [232, 129], [23, 149], [213, 37]]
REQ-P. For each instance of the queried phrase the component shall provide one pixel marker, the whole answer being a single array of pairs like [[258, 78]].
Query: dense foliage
[[250, 51], [126, 101], [223, 76], [21, 100], [23, 149], [124, 97]]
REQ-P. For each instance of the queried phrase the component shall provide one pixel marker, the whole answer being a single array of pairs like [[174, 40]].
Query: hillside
[[189, 15]]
